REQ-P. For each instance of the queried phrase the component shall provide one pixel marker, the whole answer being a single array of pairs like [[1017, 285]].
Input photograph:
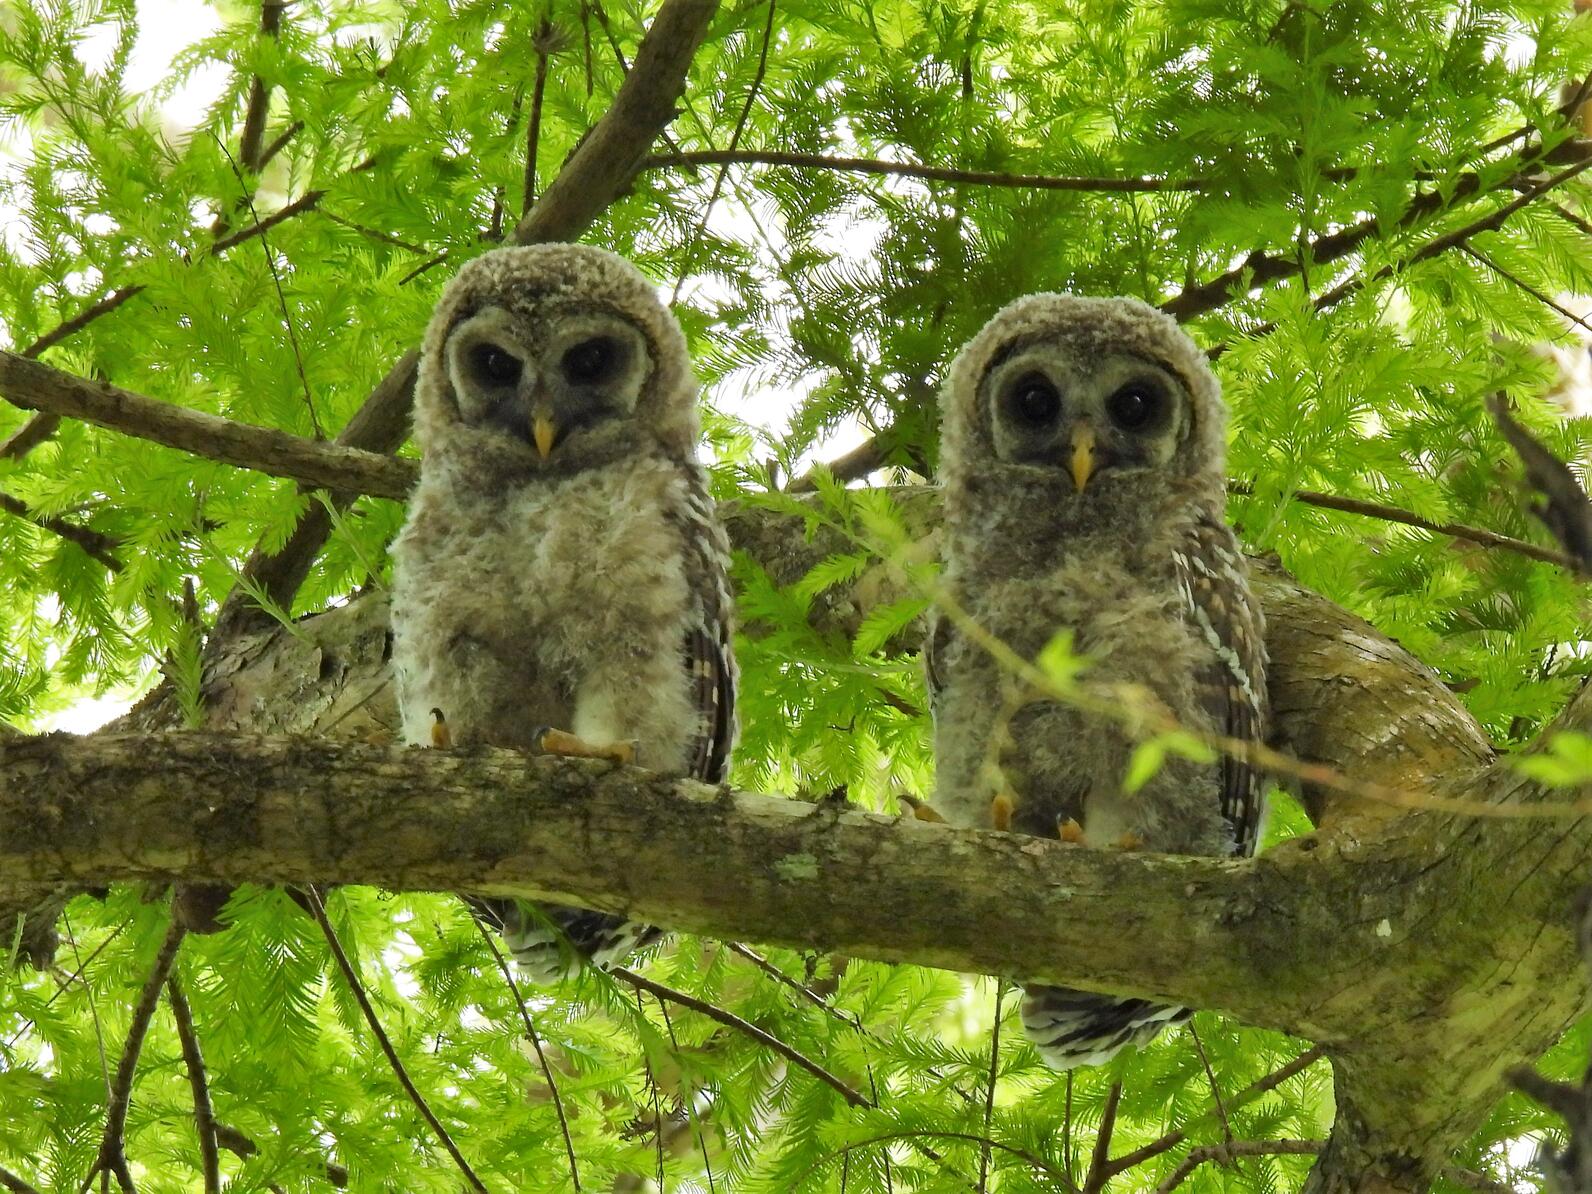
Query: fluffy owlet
[[1082, 457], [560, 583]]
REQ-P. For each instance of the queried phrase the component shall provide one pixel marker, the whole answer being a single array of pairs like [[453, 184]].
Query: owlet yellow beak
[[544, 431], [1083, 456]]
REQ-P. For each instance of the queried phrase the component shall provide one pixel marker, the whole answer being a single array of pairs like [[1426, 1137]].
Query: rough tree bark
[[1429, 951]]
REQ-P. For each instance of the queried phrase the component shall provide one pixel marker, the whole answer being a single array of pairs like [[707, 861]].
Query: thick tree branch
[[37, 386]]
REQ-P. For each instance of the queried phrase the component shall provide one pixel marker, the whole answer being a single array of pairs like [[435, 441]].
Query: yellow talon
[[1129, 841], [1001, 811], [920, 810], [562, 742], [1070, 832], [441, 735]]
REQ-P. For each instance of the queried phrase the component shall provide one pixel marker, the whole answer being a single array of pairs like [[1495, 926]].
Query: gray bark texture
[[1430, 951]]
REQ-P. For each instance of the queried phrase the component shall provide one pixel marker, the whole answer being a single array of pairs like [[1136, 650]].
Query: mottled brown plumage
[[562, 566], [1083, 452]]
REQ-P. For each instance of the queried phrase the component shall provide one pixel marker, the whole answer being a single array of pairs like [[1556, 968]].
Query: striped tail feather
[[1079, 1028], [551, 942]]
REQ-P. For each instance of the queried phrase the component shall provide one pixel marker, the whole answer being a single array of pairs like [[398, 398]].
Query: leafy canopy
[[1355, 365]]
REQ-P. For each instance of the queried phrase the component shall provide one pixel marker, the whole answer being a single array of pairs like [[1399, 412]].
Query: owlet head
[[1100, 392], [553, 358]]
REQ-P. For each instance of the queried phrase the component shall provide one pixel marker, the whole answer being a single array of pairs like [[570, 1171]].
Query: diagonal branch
[[1260, 267], [112, 1151], [204, 1116], [731, 1020], [1226, 1153], [95, 544], [251, 147], [38, 386], [318, 910], [15, 1184], [880, 166]]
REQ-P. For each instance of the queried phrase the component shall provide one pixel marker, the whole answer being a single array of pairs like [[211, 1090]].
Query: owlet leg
[[1069, 831], [920, 810], [561, 742], [441, 735]]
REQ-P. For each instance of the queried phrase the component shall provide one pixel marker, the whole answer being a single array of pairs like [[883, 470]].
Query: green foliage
[[841, 294]]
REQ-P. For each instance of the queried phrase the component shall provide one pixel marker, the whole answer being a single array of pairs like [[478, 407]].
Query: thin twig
[[735, 139], [1033, 1159], [1210, 1077], [851, 1095], [1237, 1148], [61, 989], [94, 544], [281, 296], [318, 910], [989, 1090], [879, 166], [112, 1156], [688, 1100], [376, 234], [536, 1043], [204, 1116], [1453, 530], [1251, 1092], [1509, 276], [241, 1146], [533, 129]]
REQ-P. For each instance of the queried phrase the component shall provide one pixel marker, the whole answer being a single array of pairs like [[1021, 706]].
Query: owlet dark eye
[[494, 365], [1135, 406], [590, 360], [1034, 400]]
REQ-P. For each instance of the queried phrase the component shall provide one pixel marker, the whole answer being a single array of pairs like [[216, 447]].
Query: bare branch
[[1251, 1092], [15, 1184], [1455, 530], [318, 910], [259, 94], [241, 1146], [204, 1116], [112, 1151], [94, 544], [1099, 1162], [989, 1086], [37, 386], [536, 1043], [1260, 267], [1564, 509], [602, 167], [731, 1020], [1225, 1153], [533, 128], [879, 166]]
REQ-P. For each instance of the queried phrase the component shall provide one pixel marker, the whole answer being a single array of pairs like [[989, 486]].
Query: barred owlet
[[1082, 459], [560, 583]]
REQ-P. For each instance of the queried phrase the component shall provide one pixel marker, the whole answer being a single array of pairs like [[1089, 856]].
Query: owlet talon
[[1070, 831], [1129, 841], [441, 735], [1001, 811], [920, 810], [561, 742]]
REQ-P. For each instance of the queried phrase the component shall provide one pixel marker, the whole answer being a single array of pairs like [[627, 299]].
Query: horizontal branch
[[37, 386], [987, 178], [94, 544]]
